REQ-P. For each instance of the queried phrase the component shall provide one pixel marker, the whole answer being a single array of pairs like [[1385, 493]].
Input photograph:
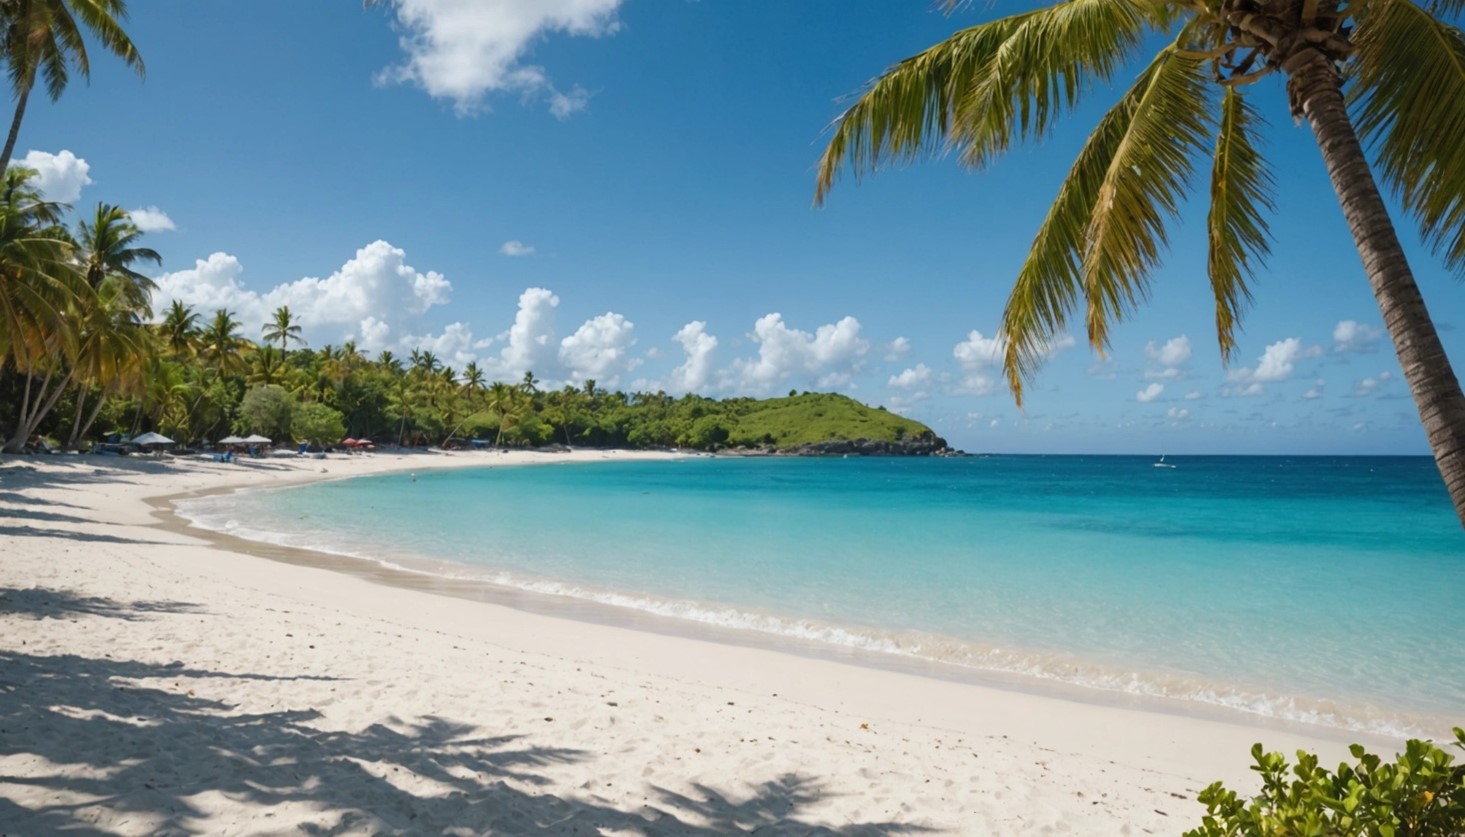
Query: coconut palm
[[106, 255], [179, 329], [46, 39], [1009, 80], [284, 328], [223, 349], [39, 287]]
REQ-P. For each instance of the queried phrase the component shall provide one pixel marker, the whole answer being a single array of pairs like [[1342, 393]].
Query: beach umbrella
[[231, 440], [254, 440], [349, 442], [152, 439]]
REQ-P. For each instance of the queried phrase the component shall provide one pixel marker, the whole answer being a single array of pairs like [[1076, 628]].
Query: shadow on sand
[[131, 737]]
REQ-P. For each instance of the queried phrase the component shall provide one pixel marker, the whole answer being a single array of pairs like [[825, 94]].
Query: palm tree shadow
[[83, 537], [130, 737], [40, 603]]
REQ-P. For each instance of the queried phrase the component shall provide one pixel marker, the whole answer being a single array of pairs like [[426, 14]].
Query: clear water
[[1324, 590]]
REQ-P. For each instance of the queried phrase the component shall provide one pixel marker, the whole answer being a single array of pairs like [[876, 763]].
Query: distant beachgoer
[[414, 478]]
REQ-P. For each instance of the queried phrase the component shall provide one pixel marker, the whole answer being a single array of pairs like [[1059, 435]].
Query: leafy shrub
[[1421, 794]]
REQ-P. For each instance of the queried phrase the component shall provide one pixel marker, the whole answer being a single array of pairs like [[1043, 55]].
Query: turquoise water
[[1325, 590]]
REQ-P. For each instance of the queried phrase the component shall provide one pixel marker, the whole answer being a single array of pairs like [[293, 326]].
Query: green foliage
[[266, 410], [315, 422], [815, 417], [1420, 794]]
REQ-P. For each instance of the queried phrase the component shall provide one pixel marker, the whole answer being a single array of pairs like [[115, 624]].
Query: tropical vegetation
[[1420, 794], [1386, 73], [83, 356]]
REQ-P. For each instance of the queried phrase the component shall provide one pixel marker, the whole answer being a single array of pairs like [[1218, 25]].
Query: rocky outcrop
[[925, 444]]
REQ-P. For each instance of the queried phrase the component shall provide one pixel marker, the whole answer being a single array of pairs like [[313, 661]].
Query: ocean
[[1323, 590]]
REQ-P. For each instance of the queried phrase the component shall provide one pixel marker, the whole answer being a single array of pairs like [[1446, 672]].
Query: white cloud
[[829, 357], [916, 376], [898, 348], [531, 344], [600, 348], [1316, 390], [696, 372], [1177, 414], [1193, 395], [464, 50], [979, 355], [1175, 351], [61, 176], [1350, 336], [1248, 391], [454, 346], [516, 248], [152, 219], [1276, 363], [1368, 386], [1149, 393], [375, 282]]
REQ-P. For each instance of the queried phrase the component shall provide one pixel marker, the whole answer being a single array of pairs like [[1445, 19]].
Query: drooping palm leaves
[[1007, 80], [46, 39], [107, 253]]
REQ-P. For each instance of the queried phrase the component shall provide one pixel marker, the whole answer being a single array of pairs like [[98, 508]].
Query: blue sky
[[620, 190]]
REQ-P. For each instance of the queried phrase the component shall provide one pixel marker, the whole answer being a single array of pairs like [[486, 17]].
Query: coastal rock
[[924, 444]]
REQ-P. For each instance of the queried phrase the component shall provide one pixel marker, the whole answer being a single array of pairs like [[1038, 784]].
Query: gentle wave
[[213, 514]]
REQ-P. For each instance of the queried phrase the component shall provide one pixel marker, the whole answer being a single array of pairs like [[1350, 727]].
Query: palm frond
[[1409, 103], [1241, 187], [983, 87], [1106, 229]]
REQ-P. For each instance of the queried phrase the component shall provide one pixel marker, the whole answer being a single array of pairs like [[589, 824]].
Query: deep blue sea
[[1313, 589]]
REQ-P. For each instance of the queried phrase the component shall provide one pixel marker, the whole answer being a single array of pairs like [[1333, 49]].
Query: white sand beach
[[158, 681]]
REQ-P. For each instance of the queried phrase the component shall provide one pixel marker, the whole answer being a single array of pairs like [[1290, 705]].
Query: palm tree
[[223, 348], [47, 38], [39, 287], [508, 402], [179, 329], [1010, 79], [284, 328], [107, 255]]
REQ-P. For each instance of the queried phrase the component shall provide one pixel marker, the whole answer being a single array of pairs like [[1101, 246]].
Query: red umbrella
[[349, 442]]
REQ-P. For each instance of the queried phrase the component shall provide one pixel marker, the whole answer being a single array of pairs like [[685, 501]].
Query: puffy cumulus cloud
[[1350, 336], [60, 177], [530, 343], [455, 346], [1177, 414], [1316, 390], [916, 376], [376, 280], [829, 357], [463, 51], [516, 248], [696, 371], [1368, 386], [600, 348], [1149, 393], [979, 356], [1174, 352], [152, 219], [897, 349], [1277, 363]]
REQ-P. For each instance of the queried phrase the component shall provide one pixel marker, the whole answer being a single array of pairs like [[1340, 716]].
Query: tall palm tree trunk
[[14, 134], [1316, 91]]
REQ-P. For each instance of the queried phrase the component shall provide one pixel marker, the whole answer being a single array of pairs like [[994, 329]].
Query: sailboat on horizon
[[1162, 463]]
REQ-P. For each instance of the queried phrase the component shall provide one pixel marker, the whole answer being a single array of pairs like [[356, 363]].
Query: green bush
[[1421, 794], [313, 421]]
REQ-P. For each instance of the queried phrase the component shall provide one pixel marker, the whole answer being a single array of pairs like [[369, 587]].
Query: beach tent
[[151, 439]]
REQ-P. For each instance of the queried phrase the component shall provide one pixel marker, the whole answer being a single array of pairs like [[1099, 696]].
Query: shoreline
[[594, 612], [872, 736]]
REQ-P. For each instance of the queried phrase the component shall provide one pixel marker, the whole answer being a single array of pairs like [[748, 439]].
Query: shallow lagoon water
[[1324, 590]]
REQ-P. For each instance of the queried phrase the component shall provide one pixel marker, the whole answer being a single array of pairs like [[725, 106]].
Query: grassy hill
[[812, 418]]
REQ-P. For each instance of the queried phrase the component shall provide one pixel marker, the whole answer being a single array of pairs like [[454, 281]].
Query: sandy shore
[[153, 681]]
